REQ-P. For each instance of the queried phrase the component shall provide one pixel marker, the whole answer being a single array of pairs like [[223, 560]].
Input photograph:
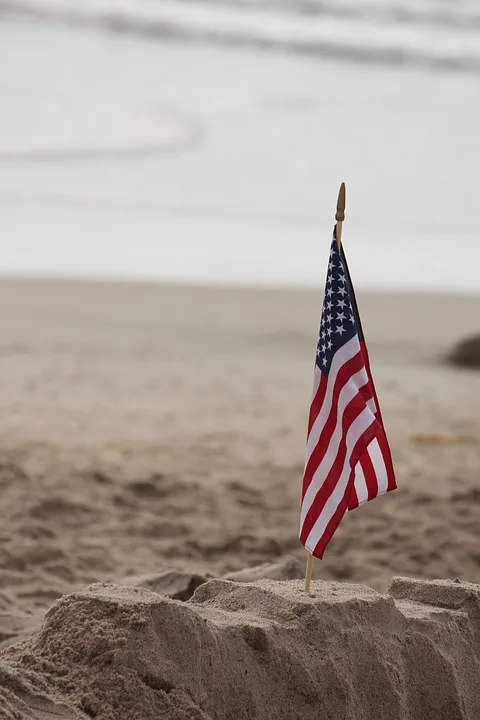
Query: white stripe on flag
[[360, 485], [379, 466], [355, 431]]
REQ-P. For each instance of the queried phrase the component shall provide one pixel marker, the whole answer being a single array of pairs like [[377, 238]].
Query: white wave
[[449, 12], [420, 33]]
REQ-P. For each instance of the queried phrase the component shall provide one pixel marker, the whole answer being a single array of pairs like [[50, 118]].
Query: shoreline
[[424, 317], [240, 285]]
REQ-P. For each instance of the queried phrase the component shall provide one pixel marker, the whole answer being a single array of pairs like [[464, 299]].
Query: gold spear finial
[[340, 214]]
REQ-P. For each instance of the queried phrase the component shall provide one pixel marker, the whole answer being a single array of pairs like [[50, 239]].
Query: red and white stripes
[[348, 461]]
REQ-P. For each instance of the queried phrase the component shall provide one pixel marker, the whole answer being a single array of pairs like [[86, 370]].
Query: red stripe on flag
[[369, 474], [387, 459], [317, 402], [353, 501], [364, 351]]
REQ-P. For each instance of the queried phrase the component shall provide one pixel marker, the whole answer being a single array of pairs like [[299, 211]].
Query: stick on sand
[[339, 217], [308, 572]]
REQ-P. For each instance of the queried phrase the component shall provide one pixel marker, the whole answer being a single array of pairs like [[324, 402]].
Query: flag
[[348, 461]]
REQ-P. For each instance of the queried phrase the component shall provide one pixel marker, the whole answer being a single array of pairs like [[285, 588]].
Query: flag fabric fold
[[348, 460]]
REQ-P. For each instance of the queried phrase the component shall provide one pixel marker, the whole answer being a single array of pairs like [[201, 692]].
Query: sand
[[261, 650], [149, 430]]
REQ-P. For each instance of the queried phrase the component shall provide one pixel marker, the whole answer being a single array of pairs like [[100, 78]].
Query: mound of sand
[[252, 650], [17, 624]]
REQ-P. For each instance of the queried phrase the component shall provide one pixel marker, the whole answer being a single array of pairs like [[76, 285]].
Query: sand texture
[[261, 650], [154, 437], [148, 428]]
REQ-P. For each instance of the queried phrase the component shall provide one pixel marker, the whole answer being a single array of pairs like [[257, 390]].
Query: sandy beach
[[146, 427], [149, 428]]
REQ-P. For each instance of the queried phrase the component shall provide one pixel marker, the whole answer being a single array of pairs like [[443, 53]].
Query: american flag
[[348, 460]]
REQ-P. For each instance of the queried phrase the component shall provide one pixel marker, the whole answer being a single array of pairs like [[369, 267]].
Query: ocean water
[[201, 142]]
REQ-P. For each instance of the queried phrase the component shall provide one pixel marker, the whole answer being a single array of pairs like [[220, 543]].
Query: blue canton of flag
[[340, 321]]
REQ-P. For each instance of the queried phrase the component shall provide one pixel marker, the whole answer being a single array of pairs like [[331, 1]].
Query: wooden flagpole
[[308, 572], [339, 218]]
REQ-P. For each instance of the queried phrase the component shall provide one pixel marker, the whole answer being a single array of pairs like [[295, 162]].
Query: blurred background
[[200, 146], [203, 142]]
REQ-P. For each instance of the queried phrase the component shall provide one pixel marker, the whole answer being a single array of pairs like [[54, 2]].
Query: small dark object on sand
[[466, 353]]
